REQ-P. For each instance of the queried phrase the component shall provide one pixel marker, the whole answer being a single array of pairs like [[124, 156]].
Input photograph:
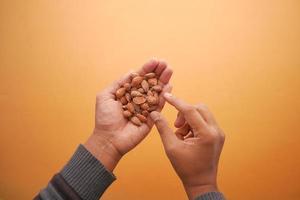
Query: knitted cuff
[[86, 175]]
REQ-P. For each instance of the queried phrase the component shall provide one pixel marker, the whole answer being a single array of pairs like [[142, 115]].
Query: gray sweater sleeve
[[84, 177]]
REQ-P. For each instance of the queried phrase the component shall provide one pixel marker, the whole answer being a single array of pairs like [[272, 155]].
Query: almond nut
[[142, 118], [130, 107], [135, 94], [152, 81], [120, 92], [157, 88], [150, 75], [145, 85], [127, 86], [145, 106], [136, 121], [141, 90], [145, 113], [123, 100], [152, 100], [128, 97], [127, 114], [139, 100], [136, 81]]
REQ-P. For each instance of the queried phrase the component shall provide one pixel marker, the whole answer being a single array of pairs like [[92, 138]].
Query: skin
[[194, 148], [113, 135]]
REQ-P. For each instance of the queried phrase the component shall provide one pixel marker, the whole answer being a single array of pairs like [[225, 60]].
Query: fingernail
[[154, 115], [167, 95]]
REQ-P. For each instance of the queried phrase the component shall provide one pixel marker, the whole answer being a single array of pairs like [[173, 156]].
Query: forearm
[[83, 177]]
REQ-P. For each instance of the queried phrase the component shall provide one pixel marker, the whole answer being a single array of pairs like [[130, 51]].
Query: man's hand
[[113, 134], [195, 148]]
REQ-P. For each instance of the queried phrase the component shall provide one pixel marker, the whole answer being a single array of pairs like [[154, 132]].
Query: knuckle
[[189, 109], [202, 106]]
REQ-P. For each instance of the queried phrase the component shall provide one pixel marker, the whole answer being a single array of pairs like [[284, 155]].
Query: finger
[[182, 131], [191, 115], [166, 76], [206, 114], [162, 101], [149, 66], [179, 120], [166, 133], [160, 67]]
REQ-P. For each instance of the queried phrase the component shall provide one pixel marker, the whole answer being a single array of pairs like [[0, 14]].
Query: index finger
[[191, 115]]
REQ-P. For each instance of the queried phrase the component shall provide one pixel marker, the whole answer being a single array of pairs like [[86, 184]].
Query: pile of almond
[[139, 97]]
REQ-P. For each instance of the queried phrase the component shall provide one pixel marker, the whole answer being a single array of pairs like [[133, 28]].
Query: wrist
[[198, 190], [103, 150]]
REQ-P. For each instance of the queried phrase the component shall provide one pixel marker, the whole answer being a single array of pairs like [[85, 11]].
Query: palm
[[109, 119]]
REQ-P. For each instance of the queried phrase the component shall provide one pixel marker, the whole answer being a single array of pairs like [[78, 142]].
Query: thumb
[[166, 133]]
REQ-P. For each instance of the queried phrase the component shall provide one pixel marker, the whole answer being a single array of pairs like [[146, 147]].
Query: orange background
[[241, 58]]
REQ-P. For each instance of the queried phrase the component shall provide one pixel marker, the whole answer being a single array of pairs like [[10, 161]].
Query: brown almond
[[152, 81], [145, 85], [128, 97], [136, 121], [145, 106], [152, 108], [127, 114], [145, 113], [157, 88], [123, 100], [130, 107], [150, 75], [120, 92], [142, 118], [137, 108], [152, 100], [141, 90], [127, 86], [150, 93], [136, 81], [139, 100], [135, 93]]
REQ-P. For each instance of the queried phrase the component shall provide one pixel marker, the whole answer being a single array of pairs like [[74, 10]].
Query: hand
[[113, 135], [195, 148]]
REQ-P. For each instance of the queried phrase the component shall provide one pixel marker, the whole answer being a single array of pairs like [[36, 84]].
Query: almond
[[145, 113], [136, 121], [145, 106], [136, 94], [157, 88], [145, 85], [150, 75], [127, 86], [128, 97], [120, 92], [141, 90], [139, 100], [136, 81], [130, 107], [127, 114], [123, 100], [152, 100], [142, 118], [152, 81], [152, 108]]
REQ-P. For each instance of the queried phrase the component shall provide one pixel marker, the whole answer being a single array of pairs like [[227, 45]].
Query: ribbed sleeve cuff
[[86, 175], [211, 196]]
